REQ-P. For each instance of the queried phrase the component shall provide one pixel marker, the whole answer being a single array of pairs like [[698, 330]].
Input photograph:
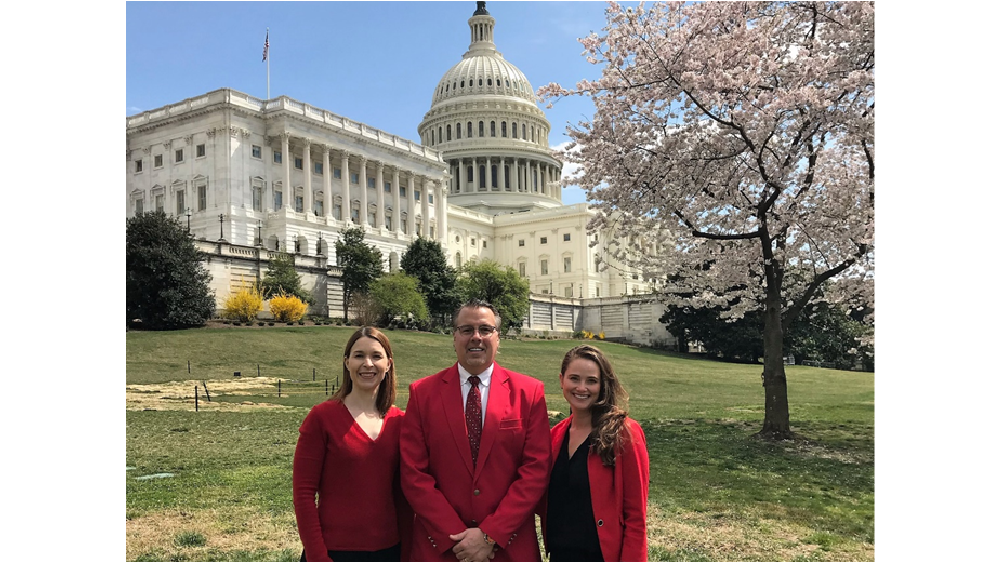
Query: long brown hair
[[609, 411], [386, 394]]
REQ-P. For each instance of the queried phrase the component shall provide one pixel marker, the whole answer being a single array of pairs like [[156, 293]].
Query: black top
[[570, 523]]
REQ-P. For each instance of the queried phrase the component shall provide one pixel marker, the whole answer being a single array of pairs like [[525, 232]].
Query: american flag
[[266, 45]]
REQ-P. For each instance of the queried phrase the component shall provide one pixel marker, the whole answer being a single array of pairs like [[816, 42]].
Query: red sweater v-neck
[[356, 478]]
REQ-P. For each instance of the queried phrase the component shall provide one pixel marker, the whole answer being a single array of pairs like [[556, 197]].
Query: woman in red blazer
[[595, 506], [348, 453]]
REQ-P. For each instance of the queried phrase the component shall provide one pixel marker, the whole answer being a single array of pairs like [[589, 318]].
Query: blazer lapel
[[454, 412], [497, 408]]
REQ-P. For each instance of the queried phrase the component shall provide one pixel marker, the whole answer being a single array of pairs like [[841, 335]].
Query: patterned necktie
[[474, 417]]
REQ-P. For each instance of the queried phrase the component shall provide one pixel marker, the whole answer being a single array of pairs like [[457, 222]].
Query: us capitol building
[[251, 177]]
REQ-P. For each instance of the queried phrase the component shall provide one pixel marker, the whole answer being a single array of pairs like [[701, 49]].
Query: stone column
[[461, 177], [425, 209], [442, 216], [307, 194], [516, 184], [380, 197], [327, 183], [397, 209], [345, 186], [489, 173], [411, 207], [501, 177], [286, 180], [363, 173]]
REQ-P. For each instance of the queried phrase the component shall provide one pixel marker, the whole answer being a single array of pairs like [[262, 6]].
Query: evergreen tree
[[361, 263], [436, 280], [281, 277], [166, 283]]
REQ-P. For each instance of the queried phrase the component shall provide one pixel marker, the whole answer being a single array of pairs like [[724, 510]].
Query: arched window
[[481, 128], [470, 174], [506, 177], [493, 176], [462, 83], [440, 136], [480, 81], [493, 128], [458, 259], [513, 129], [469, 130], [489, 81], [482, 177], [503, 129], [448, 132], [446, 87], [458, 130]]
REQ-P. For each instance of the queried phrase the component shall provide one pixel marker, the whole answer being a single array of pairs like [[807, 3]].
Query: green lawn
[[716, 493]]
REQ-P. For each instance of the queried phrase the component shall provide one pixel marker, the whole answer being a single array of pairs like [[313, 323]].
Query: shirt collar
[[484, 377]]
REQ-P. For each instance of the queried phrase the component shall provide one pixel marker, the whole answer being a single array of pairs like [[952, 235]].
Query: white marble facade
[[288, 176]]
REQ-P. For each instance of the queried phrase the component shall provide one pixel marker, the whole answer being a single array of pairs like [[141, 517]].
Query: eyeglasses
[[485, 330]]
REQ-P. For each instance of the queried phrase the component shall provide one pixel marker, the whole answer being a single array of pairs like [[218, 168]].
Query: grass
[[716, 493]]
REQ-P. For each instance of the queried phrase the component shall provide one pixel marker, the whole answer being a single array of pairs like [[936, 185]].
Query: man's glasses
[[485, 330]]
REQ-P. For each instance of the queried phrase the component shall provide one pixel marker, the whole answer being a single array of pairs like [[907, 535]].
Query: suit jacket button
[[600, 522], [475, 492]]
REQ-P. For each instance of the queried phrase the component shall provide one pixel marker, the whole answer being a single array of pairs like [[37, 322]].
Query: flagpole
[[269, 64]]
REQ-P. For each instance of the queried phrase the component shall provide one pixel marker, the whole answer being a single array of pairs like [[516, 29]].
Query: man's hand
[[472, 546]]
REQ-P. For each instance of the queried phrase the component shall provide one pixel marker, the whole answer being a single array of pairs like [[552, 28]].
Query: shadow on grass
[[823, 480]]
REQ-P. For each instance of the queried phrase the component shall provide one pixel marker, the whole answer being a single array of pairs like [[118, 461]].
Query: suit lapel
[[454, 412], [497, 408]]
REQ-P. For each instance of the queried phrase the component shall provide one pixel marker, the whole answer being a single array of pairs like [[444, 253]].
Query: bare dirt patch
[[236, 529], [179, 395]]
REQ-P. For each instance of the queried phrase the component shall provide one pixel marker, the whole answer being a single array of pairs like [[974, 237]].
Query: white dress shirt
[[484, 386]]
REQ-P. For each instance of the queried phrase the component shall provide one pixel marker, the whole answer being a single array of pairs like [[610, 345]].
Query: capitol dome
[[485, 120]]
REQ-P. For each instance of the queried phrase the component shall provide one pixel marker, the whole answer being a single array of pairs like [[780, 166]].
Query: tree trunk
[[776, 424]]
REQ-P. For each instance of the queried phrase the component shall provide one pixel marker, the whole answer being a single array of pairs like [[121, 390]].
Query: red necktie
[[474, 417]]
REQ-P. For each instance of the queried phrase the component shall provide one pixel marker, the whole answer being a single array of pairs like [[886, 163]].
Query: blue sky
[[376, 62]]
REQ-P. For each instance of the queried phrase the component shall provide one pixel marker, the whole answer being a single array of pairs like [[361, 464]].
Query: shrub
[[287, 308], [261, 323], [270, 323], [244, 304]]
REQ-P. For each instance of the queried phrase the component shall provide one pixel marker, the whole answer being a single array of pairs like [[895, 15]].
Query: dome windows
[[463, 83], [458, 130], [480, 81], [489, 81], [508, 83]]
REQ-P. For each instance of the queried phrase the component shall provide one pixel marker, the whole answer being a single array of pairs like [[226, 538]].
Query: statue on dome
[[481, 9]]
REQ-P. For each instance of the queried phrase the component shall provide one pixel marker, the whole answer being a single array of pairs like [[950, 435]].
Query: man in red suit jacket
[[475, 509]]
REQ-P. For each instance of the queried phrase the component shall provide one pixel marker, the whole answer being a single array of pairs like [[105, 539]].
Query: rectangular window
[[277, 157], [544, 240], [277, 200], [298, 163], [402, 223], [432, 233], [416, 195], [355, 179], [179, 155], [566, 237], [256, 193], [402, 192], [298, 203], [520, 269], [138, 206], [138, 165], [202, 197], [472, 241], [199, 151], [371, 182], [520, 242], [336, 173], [159, 203], [484, 243], [430, 198], [545, 267], [598, 290], [567, 265], [388, 221], [254, 150], [158, 161], [568, 291], [355, 216], [318, 208], [180, 203], [337, 211], [388, 187], [318, 168]]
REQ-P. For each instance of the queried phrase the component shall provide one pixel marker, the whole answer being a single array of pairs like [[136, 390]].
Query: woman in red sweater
[[595, 507], [348, 454]]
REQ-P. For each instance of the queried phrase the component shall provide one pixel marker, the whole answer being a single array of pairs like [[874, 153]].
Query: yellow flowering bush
[[243, 304], [287, 308]]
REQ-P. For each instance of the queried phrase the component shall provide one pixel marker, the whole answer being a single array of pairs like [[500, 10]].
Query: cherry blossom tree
[[737, 140]]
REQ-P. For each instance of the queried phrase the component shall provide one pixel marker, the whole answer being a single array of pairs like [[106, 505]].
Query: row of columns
[[428, 186], [521, 179]]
